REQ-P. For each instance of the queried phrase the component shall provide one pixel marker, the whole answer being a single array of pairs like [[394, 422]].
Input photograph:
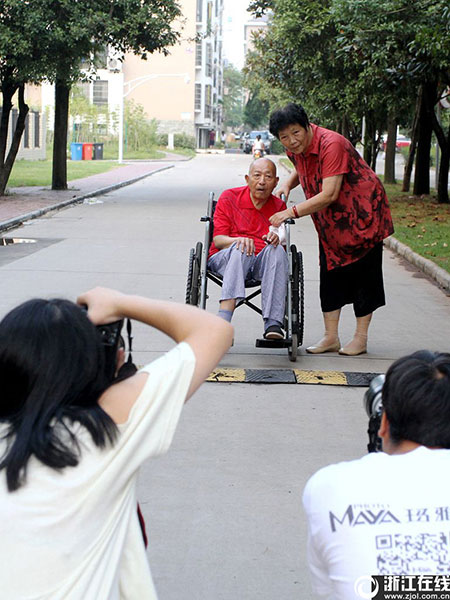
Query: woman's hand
[[279, 217], [285, 189], [103, 305]]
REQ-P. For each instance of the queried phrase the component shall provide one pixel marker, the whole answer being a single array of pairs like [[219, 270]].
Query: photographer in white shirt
[[388, 513]]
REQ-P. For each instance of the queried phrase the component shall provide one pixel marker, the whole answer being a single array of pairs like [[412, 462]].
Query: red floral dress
[[360, 217]]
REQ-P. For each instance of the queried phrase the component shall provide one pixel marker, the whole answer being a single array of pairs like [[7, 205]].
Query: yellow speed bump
[[321, 377], [227, 375]]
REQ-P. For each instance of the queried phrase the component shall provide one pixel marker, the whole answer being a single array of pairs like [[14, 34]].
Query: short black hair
[[291, 114], [416, 399], [51, 374]]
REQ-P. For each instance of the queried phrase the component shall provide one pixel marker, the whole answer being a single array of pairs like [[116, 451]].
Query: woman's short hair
[[416, 399], [291, 114], [51, 375]]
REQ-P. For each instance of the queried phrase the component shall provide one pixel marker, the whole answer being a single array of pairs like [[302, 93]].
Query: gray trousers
[[270, 267]]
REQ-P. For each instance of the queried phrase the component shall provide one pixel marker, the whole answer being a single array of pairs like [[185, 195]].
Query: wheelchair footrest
[[263, 343]]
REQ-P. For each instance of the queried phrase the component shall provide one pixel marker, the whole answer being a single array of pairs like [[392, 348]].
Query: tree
[[232, 97], [22, 60], [81, 30], [348, 59], [256, 111]]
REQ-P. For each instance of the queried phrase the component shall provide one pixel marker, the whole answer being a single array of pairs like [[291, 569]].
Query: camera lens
[[372, 397]]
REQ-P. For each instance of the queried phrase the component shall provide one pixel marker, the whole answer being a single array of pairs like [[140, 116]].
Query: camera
[[110, 338], [374, 409]]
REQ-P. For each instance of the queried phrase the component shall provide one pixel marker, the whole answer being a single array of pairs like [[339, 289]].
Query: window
[[208, 101], [199, 10], [100, 92], [198, 96], [208, 70], [209, 14], [37, 130], [198, 54], [101, 57], [26, 133]]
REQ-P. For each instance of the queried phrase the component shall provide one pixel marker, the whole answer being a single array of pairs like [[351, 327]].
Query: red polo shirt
[[360, 217], [236, 216]]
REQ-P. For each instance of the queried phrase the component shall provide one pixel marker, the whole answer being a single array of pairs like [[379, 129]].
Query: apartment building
[[183, 91]]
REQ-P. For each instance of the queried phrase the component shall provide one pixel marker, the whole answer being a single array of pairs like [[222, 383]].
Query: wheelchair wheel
[[296, 303], [193, 277]]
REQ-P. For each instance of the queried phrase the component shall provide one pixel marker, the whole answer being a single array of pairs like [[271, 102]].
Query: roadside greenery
[[61, 42], [386, 62], [39, 172]]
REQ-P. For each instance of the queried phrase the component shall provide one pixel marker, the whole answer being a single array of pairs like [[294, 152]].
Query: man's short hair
[[291, 114], [416, 399]]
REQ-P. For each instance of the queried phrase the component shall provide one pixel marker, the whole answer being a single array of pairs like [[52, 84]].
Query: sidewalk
[[24, 203]]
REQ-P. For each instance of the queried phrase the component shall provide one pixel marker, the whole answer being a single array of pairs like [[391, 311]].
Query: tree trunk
[[444, 166], [59, 173], [425, 129], [412, 149], [7, 165], [389, 157], [444, 145]]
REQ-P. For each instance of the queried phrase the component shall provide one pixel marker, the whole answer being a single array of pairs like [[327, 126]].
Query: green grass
[[420, 223], [39, 172]]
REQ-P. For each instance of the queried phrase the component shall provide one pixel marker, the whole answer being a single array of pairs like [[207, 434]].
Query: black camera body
[[110, 335], [374, 410]]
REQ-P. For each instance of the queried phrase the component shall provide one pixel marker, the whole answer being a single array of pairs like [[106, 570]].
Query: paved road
[[224, 505]]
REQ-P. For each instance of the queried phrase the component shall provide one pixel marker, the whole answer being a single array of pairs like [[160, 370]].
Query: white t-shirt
[[74, 534], [379, 515]]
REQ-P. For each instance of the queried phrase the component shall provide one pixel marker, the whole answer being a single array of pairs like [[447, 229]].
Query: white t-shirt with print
[[74, 534], [379, 515]]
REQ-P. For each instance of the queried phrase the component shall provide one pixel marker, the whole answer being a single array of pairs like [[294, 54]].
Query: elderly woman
[[348, 205]]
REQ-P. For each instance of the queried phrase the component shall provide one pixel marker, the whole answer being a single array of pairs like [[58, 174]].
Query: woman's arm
[[208, 336], [288, 185], [331, 186]]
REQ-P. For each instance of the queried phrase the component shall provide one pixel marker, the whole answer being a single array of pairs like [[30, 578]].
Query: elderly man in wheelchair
[[242, 250], [245, 246]]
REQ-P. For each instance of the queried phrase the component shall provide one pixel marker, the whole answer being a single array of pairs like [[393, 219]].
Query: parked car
[[249, 140], [401, 142]]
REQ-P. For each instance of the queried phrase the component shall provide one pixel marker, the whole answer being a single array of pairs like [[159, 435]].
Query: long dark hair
[[51, 375]]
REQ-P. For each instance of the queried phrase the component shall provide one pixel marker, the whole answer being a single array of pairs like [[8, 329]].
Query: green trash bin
[[98, 151]]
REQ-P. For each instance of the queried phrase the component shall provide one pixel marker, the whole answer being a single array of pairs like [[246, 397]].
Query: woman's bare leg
[[358, 345], [330, 341]]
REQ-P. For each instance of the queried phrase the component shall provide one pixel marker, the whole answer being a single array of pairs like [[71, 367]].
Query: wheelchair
[[198, 276]]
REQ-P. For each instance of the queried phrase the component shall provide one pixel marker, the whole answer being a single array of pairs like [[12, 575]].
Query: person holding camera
[[71, 444], [388, 513]]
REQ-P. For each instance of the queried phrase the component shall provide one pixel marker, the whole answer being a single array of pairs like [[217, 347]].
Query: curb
[[439, 275], [17, 221]]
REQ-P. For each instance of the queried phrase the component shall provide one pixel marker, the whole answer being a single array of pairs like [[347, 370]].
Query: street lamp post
[[127, 87]]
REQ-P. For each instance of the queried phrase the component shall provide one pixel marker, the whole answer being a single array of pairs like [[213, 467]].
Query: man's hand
[[246, 245], [279, 217], [272, 238]]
